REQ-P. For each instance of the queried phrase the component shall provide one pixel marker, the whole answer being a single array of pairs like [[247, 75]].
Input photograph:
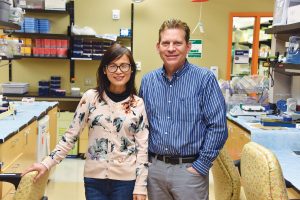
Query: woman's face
[[118, 73]]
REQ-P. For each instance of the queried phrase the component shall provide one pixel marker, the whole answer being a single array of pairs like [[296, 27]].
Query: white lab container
[[43, 141], [293, 12], [14, 88], [4, 10], [280, 12], [55, 4]]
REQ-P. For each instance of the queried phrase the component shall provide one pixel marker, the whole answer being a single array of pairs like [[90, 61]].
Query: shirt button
[[166, 133], [166, 149], [168, 117], [169, 101], [170, 85]]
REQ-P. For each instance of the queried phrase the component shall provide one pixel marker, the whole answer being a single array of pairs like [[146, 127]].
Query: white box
[[293, 15], [55, 4], [14, 88]]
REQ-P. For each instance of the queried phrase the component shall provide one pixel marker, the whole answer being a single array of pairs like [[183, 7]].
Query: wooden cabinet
[[237, 138], [20, 151], [17, 153], [53, 127]]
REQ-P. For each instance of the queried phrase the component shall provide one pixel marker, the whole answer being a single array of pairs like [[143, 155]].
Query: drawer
[[7, 188], [11, 149]]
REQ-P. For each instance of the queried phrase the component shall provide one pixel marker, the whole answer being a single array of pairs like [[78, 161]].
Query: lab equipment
[[247, 110], [293, 53]]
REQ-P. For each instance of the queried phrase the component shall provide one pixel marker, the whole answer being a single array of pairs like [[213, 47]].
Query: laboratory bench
[[66, 103], [19, 136], [283, 142]]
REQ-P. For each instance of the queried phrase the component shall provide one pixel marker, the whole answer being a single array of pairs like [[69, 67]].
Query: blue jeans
[[107, 189]]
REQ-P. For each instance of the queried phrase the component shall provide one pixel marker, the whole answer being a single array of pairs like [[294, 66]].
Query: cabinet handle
[[14, 142]]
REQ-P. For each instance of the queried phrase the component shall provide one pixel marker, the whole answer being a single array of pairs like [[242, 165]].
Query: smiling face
[[173, 48], [118, 79]]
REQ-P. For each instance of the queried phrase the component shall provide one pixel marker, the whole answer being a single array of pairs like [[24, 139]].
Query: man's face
[[173, 48]]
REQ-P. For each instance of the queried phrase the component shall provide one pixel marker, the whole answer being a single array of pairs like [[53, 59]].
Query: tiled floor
[[67, 181]]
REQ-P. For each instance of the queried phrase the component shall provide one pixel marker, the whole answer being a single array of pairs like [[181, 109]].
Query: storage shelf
[[248, 44], [9, 25], [39, 35], [98, 38], [32, 10], [288, 69], [44, 57], [265, 42], [13, 58], [35, 94], [284, 29]]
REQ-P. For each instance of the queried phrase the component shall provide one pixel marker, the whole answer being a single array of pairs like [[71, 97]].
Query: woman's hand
[[139, 197], [40, 168]]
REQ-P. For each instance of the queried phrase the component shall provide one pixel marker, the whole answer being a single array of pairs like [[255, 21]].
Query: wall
[[148, 17]]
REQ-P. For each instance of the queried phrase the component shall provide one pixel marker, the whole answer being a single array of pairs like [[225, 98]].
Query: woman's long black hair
[[113, 53]]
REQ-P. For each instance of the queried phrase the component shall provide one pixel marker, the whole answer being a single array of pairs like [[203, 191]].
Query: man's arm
[[214, 116]]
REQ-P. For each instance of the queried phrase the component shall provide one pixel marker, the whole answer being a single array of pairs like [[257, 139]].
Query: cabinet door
[[53, 127], [30, 134], [237, 138], [11, 149]]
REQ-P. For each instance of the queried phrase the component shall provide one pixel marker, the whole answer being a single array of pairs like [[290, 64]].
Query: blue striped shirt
[[187, 115]]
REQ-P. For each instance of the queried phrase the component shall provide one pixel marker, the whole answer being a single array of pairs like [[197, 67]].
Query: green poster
[[196, 50]]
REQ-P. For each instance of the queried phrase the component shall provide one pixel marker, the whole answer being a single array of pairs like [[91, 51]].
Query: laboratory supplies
[[293, 53]]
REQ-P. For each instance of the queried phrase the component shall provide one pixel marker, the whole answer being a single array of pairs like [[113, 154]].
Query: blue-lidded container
[[293, 51], [44, 91]]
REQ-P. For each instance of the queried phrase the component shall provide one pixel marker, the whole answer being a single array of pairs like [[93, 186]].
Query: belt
[[174, 160]]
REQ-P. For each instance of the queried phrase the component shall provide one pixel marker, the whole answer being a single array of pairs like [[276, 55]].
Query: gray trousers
[[174, 182]]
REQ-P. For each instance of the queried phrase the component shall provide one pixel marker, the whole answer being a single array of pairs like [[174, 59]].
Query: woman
[[116, 166]]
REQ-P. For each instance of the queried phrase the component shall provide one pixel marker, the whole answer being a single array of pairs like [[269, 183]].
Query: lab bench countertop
[[283, 143], [25, 114]]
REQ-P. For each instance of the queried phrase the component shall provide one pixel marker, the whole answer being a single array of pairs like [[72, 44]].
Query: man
[[187, 116]]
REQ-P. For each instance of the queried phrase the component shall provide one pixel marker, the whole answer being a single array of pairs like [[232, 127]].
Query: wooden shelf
[[9, 25], [288, 69], [284, 29]]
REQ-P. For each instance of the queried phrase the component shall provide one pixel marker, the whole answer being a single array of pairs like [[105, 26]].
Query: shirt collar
[[179, 72]]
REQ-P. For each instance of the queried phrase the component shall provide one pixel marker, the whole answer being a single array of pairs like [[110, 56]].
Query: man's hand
[[139, 197], [193, 171]]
